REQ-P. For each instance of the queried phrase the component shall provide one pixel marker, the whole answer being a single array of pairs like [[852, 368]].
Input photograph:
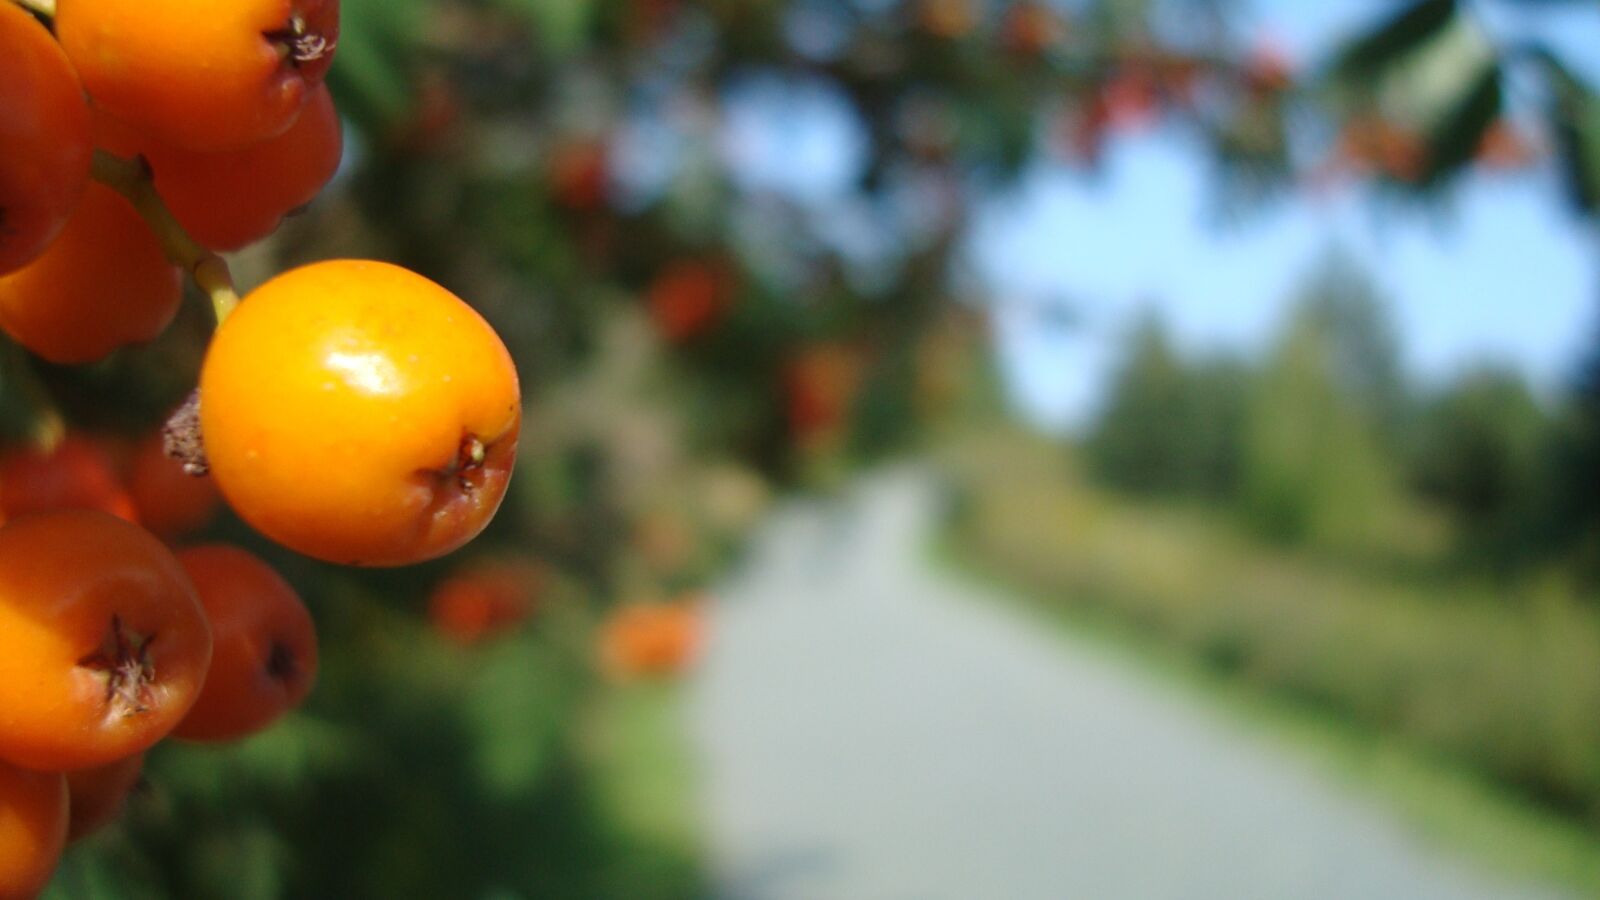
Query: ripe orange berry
[[105, 282], [44, 139], [214, 76], [228, 199], [265, 656], [360, 413], [171, 502], [483, 599], [97, 795], [33, 829], [75, 475], [103, 644]]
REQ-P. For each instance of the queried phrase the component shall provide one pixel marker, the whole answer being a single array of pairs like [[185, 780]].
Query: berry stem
[[131, 178], [46, 8]]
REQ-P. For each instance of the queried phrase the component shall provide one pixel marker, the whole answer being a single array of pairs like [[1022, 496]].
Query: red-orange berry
[[45, 146], [104, 283], [264, 659], [215, 76], [232, 198]]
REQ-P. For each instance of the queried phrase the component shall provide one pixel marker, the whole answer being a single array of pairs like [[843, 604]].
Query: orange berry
[[211, 76], [33, 829], [232, 198], [77, 474], [1268, 70], [265, 656], [822, 383], [1031, 28], [103, 644], [949, 19], [483, 600], [578, 174], [1503, 147], [105, 282], [98, 794], [171, 502], [44, 139], [650, 639], [688, 298], [360, 413]]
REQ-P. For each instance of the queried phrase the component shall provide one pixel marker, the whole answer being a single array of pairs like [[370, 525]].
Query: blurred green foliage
[[1172, 426], [1329, 444]]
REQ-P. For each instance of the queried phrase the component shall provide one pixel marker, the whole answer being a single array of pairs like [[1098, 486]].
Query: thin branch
[[132, 179]]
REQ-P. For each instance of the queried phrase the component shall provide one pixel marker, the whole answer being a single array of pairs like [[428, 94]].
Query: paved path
[[871, 732]]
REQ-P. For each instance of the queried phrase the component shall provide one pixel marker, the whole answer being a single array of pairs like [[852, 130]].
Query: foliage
[[1171, 426], [1484, 453], [1312, 470]]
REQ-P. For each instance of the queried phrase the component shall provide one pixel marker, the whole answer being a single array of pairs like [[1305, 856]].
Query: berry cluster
[[350, 410]]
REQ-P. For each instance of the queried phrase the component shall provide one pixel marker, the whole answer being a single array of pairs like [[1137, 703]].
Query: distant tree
[[1312, 469], [1346, 307], [1481, 454], [1170, 426], [1572, 513]]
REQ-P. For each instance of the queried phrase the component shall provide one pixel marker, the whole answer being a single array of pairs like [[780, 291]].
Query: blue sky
[[1502, 274]]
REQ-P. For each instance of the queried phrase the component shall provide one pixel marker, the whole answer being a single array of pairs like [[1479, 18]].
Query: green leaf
[[1371, 54], [1453, 143], [1427, 86], [1575, 114]]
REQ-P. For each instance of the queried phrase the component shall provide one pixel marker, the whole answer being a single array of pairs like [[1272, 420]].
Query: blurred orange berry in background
[[1371, 143], [1031, 28], [98, 794], [1268, 69], [33, 829], [77, 474], [434, 115], [170, 502], [949, 19], [578, 174], [688, 298], [1504, 147], [652, 639], [485, 598], [821, 382]]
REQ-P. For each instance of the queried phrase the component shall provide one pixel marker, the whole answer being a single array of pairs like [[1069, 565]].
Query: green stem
[[131, 178], [46, 8]]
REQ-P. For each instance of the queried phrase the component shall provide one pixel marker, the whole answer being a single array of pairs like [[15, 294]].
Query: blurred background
[[896, 372]]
